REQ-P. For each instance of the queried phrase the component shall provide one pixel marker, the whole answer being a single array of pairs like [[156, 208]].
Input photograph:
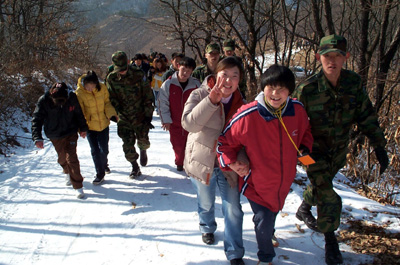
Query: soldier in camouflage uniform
[[335, 100], [132, 98], [212, 55]]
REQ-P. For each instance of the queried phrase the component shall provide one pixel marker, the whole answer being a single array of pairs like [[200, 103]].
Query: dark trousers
[[98, 142], [68, 159], [264, 226]]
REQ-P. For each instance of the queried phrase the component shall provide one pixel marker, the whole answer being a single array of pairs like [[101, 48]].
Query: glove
[[382, 157], [147, 121], [305, 149], [114, 119]]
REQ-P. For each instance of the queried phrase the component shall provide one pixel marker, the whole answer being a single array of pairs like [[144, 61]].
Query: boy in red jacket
[[273, 129]]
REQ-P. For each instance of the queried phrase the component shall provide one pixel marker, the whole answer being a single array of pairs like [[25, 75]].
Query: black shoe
[[237, 261], [135, 171], [98, 180], [304, 214], [143, 158], [179, 168], [332, 251], [107, 170], [208, 238]]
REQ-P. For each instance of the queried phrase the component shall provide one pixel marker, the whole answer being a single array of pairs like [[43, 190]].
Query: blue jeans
[[98, 142], [264, 226], [231, 209]]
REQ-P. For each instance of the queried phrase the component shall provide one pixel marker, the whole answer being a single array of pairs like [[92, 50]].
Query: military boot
[[135, 171], [143, 158], [332, 252], [304, 214]]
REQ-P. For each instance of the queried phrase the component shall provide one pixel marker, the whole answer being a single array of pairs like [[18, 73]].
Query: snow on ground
[[148, 221]]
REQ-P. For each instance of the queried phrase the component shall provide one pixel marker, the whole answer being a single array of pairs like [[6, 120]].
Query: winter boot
[[107, 170], [79, 193], [135, 171], [304, 214], [238, 261], [98, 180], [143, 158], [67, 180], [208, 238], [332, 252]]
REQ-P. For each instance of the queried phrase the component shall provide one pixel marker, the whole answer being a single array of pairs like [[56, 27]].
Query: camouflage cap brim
[[325, 51]]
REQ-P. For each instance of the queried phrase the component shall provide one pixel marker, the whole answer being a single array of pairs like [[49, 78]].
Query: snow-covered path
[[148, 221]]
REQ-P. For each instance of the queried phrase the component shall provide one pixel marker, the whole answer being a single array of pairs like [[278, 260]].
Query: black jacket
[[58, 121]]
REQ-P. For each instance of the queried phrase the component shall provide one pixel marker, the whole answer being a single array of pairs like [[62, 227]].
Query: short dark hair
[[188, 62], [278, 75], [91, 77], [177, 54], [138, 56], [230, 62]]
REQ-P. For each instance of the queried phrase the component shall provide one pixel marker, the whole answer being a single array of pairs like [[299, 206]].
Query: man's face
[[184, 73], [212, 57], [332, 63], [138, 62], [228, 53], [175, 62]]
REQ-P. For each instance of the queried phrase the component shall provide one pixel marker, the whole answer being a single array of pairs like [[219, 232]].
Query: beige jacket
[[205, 121]]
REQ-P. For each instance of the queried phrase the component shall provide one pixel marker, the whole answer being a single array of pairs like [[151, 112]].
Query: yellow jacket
[[96, 106]]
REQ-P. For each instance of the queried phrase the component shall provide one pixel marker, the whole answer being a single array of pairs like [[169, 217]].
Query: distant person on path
[[173, 95], [156, 79], [335, 100], [273, 130], [212, 54], [205, 115], [59, 112], [229, 47], [132, 98], [94, 99], [176, 57]]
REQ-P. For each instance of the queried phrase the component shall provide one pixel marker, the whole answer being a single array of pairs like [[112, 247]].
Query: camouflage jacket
[[201, 72], [131, 95], [333, 111]]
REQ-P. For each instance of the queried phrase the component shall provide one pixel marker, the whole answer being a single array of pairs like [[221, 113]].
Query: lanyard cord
[[278, 113]]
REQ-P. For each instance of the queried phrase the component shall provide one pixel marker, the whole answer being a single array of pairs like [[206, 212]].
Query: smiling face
[[230, 78], [275, 95]]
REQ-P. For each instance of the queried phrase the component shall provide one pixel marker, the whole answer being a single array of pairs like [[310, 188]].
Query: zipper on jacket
[[97, 108]]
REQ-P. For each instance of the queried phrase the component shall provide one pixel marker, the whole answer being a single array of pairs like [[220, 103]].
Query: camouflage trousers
[[129, 134], [320, 192]]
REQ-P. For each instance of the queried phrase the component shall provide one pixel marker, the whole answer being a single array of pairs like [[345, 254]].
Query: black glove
[[305, 149], [382, 157], [114, 118], [147, 121]]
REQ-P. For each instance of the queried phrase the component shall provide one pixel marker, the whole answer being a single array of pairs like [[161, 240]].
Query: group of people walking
[[219, 139]]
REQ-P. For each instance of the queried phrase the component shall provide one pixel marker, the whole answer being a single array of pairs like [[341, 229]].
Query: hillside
[[121, 25]]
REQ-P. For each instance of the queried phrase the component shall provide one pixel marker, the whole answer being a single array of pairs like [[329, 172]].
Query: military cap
[[229, 45], [333, 43], [212, 47], [120, 61]]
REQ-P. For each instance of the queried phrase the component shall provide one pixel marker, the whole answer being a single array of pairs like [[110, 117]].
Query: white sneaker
[[67, 180], [79, 193]]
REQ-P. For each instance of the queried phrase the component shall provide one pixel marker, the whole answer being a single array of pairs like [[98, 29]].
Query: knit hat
[[59, 90], [59, 93], [333, 43], [120, 61]]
